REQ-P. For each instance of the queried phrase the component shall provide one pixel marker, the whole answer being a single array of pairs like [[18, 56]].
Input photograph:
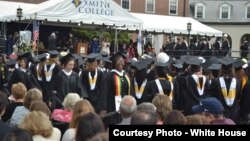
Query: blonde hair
[[32, 95], [70, 100], [81, 107], [37, 123], [18, 90], [163, 105]]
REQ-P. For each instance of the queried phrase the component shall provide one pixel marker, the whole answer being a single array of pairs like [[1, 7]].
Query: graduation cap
[[139, 65], [92, 57], [195, 64], [178, 66], [36, 60], [53, 53], [66, 58], [238, 64], [227, 62], [81, 62], [99, 57], [42, 57], [148, 59], [76, 56], [104, 54], [214, 67], [106, 59], [11, 63], [20, 55]]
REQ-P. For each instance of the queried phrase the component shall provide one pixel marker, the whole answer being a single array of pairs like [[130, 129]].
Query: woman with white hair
[[65, 115]]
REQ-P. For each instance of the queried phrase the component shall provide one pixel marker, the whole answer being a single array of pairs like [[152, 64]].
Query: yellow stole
[[230, 95], [92, 81], [3, 73], [118, 84]]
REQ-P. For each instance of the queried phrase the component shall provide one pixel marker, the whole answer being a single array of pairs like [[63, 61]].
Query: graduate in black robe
[[149, 61], [139, 83], [92, 79], [38, 72], [115, 85], [50, 70], [68, 81], [23, 74], [227, 89], [161, 85], [197, 87]]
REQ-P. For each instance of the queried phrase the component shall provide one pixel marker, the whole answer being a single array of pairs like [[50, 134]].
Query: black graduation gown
[[245, 102], [229, 111], [180, 92], [47, 85], [153, 89], [192, 97], [107, 100], [146, 97], [64, 84], [94, 95], [27, 78], [151, 75]]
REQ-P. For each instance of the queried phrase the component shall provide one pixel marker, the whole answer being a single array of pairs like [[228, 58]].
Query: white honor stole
[[92, 81], [158, 84], [39, 78], [200, 88], [139, 91], [229, 96], [48, 73]]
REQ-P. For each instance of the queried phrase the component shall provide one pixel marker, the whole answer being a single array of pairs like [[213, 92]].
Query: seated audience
[[18, 92], [213, 110], [21, 111], [127, 108], [175, 117], [39, 125]]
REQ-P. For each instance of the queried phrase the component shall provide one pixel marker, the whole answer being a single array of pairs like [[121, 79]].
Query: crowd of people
[[65, 91]]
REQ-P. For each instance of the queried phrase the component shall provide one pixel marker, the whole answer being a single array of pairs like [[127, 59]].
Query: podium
[[82, 48]]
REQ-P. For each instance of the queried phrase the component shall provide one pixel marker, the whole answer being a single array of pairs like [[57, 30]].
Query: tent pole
[[116, 48]]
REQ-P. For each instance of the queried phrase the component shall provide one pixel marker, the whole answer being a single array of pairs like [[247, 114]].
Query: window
[[199, 11], [173, 6], [150, 6], [126, 4], [248, 12], [149, 38], [225, 11]]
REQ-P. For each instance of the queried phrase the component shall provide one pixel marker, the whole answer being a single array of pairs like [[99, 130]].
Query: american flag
[[35, 33]]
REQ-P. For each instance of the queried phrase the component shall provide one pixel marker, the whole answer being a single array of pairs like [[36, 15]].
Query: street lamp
[[189, 28], [19, 14]]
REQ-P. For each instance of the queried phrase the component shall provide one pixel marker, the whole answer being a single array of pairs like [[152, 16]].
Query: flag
[[35, 33], [139, 46]]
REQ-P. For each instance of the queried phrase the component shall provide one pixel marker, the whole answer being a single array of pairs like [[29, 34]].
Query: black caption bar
[[157, 132]]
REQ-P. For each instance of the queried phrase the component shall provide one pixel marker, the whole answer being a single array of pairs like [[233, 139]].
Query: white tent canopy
[[9, 8], [98, 12], [174, 24]]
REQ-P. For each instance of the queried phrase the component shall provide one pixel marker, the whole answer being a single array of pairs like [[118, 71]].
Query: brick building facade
[[161, 7]]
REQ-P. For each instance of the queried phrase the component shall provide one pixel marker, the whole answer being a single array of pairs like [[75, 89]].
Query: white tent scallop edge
[[174, 24], [110, 13]]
